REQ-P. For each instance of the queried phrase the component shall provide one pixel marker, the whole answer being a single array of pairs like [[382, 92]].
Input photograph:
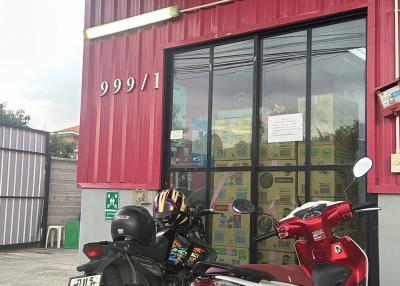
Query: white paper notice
[[176, 134], [285, 128]]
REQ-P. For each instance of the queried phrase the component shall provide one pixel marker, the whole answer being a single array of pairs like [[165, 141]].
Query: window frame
[[254, 168]]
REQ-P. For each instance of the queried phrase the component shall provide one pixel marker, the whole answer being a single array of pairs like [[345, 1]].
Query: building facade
[[271, 101]]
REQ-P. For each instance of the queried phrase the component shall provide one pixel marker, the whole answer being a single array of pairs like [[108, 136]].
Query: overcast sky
[[41, 51]]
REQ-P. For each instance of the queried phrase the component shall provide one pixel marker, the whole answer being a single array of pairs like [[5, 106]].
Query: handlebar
[[266, 235], [366, 205]]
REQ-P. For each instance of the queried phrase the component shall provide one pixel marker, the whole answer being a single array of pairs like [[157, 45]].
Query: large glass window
[[301, 96], [232, 103], [283, 86], [338, 93], [189, 109]]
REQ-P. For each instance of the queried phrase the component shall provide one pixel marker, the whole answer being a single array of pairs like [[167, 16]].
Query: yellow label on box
[[229, 186]]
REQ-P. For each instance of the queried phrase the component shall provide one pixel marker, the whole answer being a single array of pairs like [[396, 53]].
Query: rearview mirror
[[243, 206], [362, 166]]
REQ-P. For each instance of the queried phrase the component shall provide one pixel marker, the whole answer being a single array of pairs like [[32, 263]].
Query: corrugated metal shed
[[121, 135]]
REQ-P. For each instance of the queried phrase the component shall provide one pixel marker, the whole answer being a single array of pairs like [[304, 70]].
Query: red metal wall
[[121, 136]]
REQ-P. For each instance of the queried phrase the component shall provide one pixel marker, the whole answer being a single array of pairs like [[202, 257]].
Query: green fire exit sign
[[112, 205]]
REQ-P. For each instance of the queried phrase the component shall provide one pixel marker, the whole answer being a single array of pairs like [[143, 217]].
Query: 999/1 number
[[130, 84]]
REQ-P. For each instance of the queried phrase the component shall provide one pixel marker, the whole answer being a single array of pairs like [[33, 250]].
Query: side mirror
[[361, 167], [243, 206]]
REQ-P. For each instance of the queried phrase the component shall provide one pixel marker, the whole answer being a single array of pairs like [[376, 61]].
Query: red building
[[187, 102]]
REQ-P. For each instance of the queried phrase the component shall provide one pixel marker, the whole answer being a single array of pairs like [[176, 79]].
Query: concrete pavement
[[37, 267]]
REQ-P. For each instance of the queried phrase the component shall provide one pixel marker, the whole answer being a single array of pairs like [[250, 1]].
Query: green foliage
[[15, 118], [61, 148]]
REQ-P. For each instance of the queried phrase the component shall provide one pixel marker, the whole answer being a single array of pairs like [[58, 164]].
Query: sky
[[41, 49]]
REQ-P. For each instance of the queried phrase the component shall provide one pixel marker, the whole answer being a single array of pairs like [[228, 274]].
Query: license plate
[[93, 280]]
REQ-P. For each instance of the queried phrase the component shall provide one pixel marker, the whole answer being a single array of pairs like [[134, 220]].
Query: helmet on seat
[[133, 223], [170, 208]]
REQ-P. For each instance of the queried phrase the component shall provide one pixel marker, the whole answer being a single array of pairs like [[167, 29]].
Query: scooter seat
[[287, 273]]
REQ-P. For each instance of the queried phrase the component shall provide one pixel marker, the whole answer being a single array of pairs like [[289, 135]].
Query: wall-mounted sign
[[127, 85], [112, 205], [285, 128]]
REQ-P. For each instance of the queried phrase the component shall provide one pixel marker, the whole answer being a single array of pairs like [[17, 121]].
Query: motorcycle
[[324, 258], [167, 261]]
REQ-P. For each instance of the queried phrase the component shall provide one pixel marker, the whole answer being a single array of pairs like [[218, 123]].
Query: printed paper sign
[[285, 128]]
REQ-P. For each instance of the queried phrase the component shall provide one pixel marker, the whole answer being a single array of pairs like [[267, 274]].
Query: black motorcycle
[[143, 258]]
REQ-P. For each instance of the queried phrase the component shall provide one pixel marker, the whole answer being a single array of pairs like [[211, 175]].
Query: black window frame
[[307, 168]]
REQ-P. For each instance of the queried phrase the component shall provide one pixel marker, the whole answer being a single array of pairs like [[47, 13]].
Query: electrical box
[[389, 98], [140, 197]]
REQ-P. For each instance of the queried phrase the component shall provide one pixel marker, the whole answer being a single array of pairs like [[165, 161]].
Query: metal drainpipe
[[396, 64], [209, 5]]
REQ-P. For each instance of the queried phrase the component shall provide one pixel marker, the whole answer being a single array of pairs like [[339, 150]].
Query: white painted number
[[131, 84], [144, 82], [157, 80], [117, 85], [104, 88]]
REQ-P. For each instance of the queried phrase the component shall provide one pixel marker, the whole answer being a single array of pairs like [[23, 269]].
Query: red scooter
[[324, 259]]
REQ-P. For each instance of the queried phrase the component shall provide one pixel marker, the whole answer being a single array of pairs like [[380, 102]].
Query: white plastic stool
[[59, 229]]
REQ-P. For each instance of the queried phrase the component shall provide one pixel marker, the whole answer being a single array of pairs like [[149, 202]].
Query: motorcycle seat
[[287, 273]]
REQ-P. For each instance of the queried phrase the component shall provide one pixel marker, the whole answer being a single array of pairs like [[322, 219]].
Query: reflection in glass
[[232, 103], [189, 109], [230, 231], [338, 93], [277, 196], [193, 185], [283, 86], [330, 186]]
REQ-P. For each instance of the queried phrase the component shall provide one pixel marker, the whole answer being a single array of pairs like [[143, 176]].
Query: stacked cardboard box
[[232, 139], [327, 154], [278, 186], [330, 113], [327, 185], [231, 230], [264, 224], [278, 154], [232, 255]]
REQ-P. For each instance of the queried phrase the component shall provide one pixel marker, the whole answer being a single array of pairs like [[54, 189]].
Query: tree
[[15, 118], [61, 148]]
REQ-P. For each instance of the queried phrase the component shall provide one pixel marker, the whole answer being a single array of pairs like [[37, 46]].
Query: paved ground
[[37, 267]]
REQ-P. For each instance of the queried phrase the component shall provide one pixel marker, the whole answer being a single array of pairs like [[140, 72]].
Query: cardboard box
[[229, 186], [278, 151], [273, 162], [230, 228], [232, 255], [327, 154], [232, 163], [333, 119], [265, 256], [232, 138], [264, 224], [326, 184], [277, 186]]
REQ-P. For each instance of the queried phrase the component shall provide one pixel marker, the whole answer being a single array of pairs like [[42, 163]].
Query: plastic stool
[[53, 229]]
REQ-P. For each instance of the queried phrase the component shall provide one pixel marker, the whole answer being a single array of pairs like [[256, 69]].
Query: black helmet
[[133, 222]]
